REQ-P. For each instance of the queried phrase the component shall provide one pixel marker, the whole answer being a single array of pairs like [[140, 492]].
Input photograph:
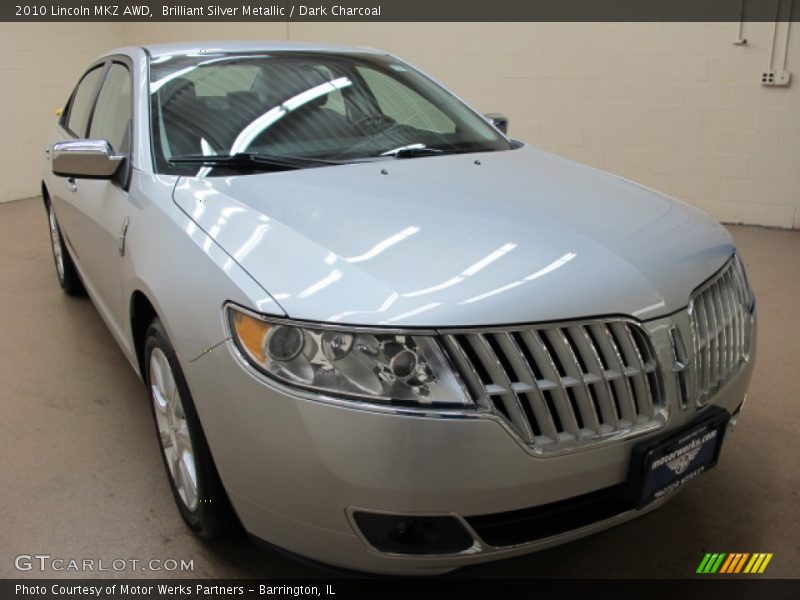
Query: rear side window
[[81, 104], [112, 113]]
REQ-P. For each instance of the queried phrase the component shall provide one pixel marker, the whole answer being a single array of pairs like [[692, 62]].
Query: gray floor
[[80, 474]]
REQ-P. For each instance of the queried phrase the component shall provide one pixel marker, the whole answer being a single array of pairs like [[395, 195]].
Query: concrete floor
[[80, 474]]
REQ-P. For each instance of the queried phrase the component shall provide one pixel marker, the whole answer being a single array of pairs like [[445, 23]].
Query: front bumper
[[296, 469]]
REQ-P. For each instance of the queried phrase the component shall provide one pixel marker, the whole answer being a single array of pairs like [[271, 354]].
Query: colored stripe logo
[[734, 563]]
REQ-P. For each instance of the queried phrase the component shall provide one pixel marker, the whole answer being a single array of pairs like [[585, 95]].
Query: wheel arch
[[142, 313], [45, 195]]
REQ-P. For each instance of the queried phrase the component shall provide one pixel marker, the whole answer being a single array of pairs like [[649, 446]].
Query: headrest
[[282, 82], [179, 88], [243, 99]]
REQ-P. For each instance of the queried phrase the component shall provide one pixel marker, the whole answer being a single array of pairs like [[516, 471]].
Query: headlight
[[357, 363]]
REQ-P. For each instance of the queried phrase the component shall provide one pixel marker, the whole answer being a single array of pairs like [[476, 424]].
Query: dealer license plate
[[674, 462]]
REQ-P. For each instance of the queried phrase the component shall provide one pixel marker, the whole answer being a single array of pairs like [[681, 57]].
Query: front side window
[[112, 113], [81, 104], [304, 105]]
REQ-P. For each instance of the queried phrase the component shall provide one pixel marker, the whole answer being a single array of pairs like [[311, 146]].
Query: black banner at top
[[398, 10]]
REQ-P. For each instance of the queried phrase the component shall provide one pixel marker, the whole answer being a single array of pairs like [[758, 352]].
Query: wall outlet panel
[[776, 78]]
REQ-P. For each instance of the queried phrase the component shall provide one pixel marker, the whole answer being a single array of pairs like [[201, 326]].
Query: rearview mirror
[[84, 159], [498, 120]]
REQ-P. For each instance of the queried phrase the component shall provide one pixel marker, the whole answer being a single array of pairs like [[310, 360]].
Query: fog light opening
[[407, 534], [413, 532]]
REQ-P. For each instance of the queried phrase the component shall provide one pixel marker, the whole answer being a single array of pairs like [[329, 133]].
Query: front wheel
[[68, 277], [192, 475]]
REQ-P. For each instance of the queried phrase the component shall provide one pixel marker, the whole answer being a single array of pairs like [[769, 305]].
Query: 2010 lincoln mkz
[[374, 328]]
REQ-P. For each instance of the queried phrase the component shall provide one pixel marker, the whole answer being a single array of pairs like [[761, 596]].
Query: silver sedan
[[374, 328]]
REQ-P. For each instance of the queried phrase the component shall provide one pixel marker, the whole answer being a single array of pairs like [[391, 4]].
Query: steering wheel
[[374, 121]]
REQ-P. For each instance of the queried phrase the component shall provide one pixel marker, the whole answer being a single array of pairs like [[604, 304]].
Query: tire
[[196, 486], [67, 274]]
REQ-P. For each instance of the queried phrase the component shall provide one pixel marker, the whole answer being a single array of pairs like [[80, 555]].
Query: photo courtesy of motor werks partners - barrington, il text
[[209, 10], [163, 589]]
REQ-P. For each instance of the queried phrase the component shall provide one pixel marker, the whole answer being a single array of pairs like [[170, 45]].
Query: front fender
[[186, 276]]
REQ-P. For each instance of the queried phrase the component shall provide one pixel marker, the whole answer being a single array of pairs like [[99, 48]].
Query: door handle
[[71, 185], [123, 234]]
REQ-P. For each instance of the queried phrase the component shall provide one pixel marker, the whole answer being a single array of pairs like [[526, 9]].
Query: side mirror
[[84, 159], [498, 120]]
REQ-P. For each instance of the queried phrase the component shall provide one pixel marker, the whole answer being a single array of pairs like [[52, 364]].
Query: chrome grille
[[721, 323], [567, 385]]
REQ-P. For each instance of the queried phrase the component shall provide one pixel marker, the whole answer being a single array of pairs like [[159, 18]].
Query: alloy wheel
[[55, 238], [173, 429]]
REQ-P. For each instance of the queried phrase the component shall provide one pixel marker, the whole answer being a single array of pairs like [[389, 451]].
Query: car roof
[[250, 46]]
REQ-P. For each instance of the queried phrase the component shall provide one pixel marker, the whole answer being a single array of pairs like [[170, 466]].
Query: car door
[[99, 207], [74, 124]]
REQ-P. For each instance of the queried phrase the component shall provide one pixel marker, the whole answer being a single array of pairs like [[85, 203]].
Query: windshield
[[321, 107]]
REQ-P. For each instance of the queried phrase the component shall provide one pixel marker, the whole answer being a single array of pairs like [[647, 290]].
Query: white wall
[[677, 106], [39, 65]]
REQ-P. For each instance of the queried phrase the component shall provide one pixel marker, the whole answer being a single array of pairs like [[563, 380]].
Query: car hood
[[458, 240]]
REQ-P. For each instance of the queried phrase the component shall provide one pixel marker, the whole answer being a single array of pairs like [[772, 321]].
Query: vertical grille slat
[[713, 342], [535, 398], [643, 398], [679, 365], [501, 379], [741, 304], [563, 407], [746, 323], [724, 309], [704, 345], [735, 316], [465, 368], [716, 341], [563, 386], [720, 323], [730, 312], [594, 366], [567, 357], [721, 335], [627, 405]]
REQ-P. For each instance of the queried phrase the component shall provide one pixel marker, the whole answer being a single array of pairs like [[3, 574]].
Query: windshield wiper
[[412, 151], [252, 161], [420, 149]]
